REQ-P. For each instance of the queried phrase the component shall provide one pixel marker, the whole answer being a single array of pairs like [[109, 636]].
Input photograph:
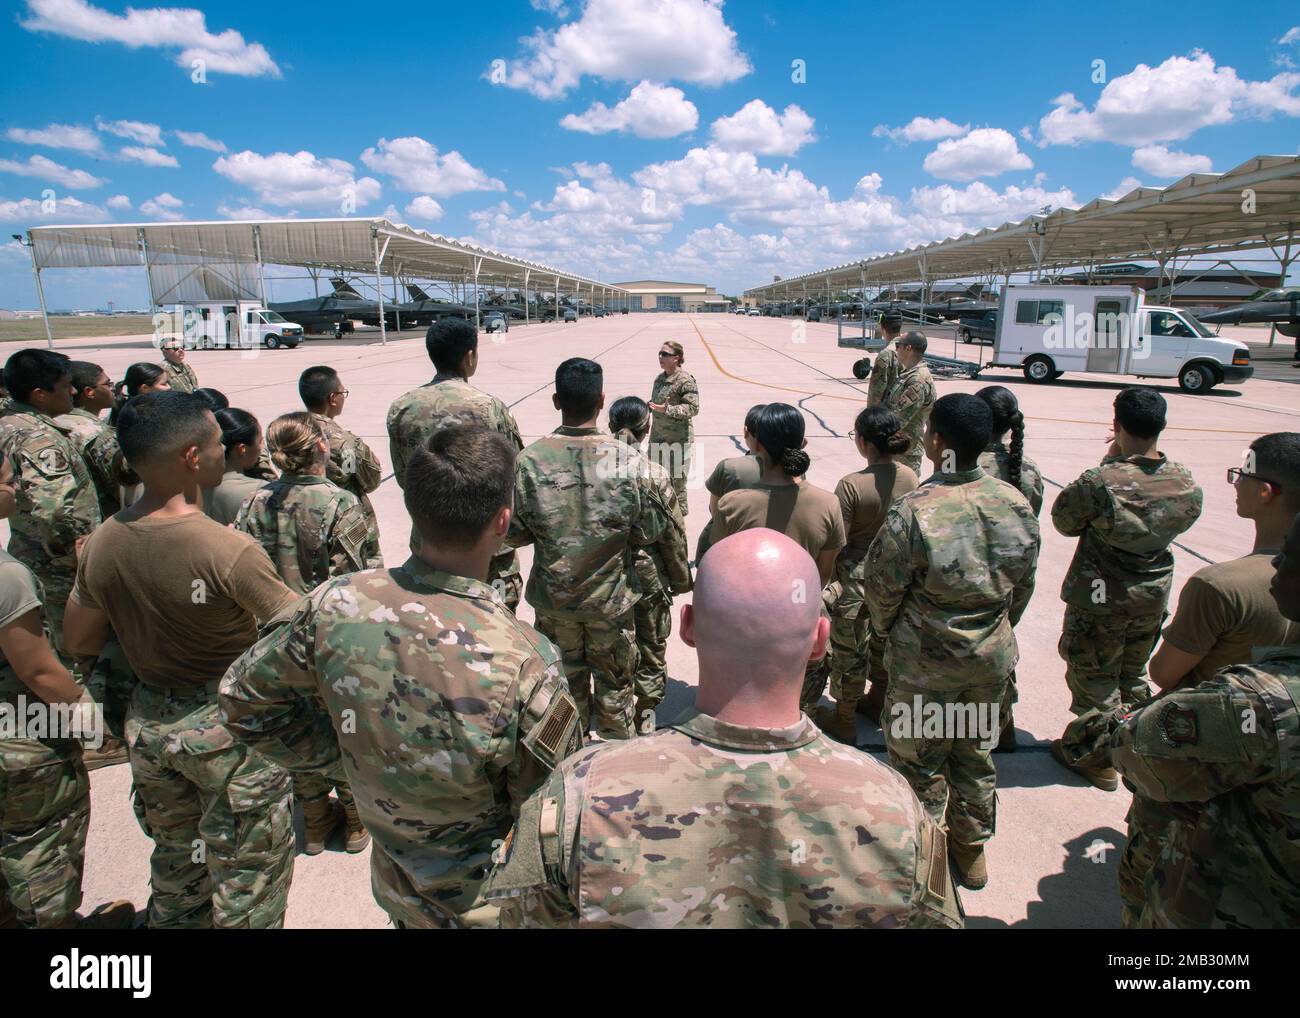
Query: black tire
[[1039, 369], [272, 341], [965, 335], [1196, 379], [862, 368]]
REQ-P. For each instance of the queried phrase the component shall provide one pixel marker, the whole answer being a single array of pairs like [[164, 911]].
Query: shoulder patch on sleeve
[[354, 532], [555, 734], [519, 866]]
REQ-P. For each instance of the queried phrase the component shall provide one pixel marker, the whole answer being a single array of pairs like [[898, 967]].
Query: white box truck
[[217, 325], [1048, 330]]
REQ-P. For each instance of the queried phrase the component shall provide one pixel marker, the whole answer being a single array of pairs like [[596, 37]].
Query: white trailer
[[218, 325], [1110, 330]]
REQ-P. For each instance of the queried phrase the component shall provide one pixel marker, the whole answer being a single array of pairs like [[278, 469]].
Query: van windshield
[[1202, 330], [272, 316]]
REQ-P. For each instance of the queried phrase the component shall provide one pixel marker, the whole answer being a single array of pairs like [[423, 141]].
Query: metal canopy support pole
[[558, 318], [1284, 263], [40, 292], [315, 280], [379, 282], [261, 275], [144, 256], [397, 271], [478, 321], [527, 273]]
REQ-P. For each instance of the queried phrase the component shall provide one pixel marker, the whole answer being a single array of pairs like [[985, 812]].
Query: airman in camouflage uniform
[[660, 576], [439, 708], [92, 435], [584, 500], [911, 396], [179, 374], [1125, 512], [352, 465], [674, 401], [56, 502], [950, 573], [1225, 756], [715, 824], [885, 372], [996, 462], [450, 399]]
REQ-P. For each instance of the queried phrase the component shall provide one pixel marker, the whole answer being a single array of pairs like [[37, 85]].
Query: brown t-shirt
[[733, 474], [1224, 610], [808, 515], [184, 594], [865, 497]]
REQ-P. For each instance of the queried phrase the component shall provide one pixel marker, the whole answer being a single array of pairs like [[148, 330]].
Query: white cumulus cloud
[[984, 152], [756, 127], [171, 28], [163, 206], [147, 156], [1167, 103], [33, 212], [197, 139], [288, 179], [72, 136], [119, 201], [921, 129], [1159, 161], [416, 165], [629, 40], [424, 207], [49, 170], [133, 130], [649, 111]]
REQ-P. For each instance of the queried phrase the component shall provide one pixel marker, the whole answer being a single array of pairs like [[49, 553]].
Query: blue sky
[[690, 149]]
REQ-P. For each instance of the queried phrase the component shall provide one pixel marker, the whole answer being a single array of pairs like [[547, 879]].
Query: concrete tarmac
[[1053, 860]]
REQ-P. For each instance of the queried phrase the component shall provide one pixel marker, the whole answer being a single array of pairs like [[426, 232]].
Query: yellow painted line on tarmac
[[806, 392]]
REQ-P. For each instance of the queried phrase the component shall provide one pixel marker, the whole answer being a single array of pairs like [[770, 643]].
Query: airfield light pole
[[40, 290]]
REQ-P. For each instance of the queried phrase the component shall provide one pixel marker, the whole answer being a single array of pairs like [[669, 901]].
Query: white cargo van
[[1110, 330], [245, 324]]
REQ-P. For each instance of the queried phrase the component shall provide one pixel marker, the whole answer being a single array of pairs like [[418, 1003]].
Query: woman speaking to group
[[674, 400]]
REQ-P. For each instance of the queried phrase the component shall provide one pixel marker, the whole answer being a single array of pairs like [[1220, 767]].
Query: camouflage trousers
[[704, 542], [673, 453], [949, 767], [57, 582], [855, 657], [1105, 657], [308, 788], [599, 655], [220, 815], [653, 618], [44, 816], [1149, 826], [818, 670]]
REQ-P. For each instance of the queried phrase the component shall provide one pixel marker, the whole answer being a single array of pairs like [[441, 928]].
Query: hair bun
[[795, 462], [898, 442]]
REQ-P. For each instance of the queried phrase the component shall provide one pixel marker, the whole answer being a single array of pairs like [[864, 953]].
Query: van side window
[[1039, 312], [1026, 312], [1165, 324]]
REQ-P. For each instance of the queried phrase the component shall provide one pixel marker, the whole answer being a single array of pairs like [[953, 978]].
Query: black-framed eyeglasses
[[853, 434], [1235, 474], [339, 392]]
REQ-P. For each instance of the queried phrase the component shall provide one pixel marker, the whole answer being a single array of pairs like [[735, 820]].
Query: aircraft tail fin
[[417, 292], [342, 288]]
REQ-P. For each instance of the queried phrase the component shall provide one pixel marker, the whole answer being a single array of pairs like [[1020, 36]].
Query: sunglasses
[[666, 353], [1235, 474]]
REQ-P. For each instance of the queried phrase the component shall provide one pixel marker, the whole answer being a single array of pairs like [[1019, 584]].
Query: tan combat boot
[[972, 871], [112, 915], [873, 703], [841, 724], [321, 817], [111, 751], [1105, 778], [357, 835], [1007, 740]]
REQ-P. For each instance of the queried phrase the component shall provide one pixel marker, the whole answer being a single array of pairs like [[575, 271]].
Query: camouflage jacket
[[1226, 753], [708, 824], [441, 710], [1125, 512], [911, 396], [682, 398], [447, 400], [56, 500], [663, 569], [422, 412], [948, 576], [582, 498], [96, 440], [181, 376], [352, 465], [995, 460], [311, 529], [884, 373]]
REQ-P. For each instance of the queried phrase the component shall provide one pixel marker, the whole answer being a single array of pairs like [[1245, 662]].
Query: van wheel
[[862, 368], [1196, 379], [965, 335], [272, 342], [1039, 369]]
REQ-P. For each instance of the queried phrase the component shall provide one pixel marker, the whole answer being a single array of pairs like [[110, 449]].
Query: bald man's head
[[755, 618]]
